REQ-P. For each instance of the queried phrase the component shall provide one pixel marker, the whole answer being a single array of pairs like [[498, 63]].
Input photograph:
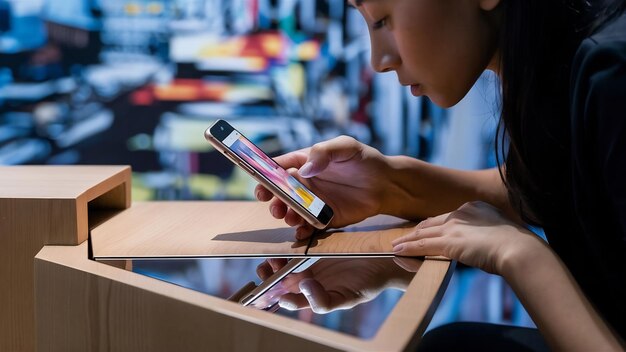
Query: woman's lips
[[416, 90]]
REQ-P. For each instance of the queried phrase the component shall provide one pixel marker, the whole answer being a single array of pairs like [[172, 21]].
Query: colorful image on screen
[[256, 158]]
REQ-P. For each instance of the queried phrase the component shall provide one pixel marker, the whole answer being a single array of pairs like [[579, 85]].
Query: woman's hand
[[332, 284], [349, 176], [476, 234]]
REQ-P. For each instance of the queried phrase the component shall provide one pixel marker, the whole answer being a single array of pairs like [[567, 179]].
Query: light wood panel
[[205, 229], [83, 305], [194, 229], [370, 237], [45, 205]]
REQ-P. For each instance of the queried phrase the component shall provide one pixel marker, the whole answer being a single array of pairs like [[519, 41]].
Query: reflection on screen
[[222, 277], [273, 172], [269, 299]]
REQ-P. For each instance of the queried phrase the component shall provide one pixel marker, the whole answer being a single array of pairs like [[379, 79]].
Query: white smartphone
[[267, 172], [268, 293]]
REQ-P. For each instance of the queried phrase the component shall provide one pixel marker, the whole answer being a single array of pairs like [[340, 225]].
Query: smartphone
[[236, 147], [268, 293]]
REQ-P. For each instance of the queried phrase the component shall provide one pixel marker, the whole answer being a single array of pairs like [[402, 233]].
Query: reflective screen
[[360, 317]]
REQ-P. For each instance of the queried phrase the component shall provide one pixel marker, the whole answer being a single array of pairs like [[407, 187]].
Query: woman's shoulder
[[599, 65], [603, 49], [612, 31]]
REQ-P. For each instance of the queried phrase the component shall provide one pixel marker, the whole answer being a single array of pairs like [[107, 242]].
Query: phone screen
[[273, 172], [269, 300]]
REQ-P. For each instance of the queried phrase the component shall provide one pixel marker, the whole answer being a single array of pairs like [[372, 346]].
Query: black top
[[589, 229]]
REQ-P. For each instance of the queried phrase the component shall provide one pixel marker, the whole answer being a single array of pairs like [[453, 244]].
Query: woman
[[562, 66]]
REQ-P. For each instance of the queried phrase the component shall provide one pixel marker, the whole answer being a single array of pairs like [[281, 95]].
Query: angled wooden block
[[42, 205]]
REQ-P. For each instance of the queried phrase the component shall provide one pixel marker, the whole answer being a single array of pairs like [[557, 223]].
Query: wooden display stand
[[84, 305], [42, 205]]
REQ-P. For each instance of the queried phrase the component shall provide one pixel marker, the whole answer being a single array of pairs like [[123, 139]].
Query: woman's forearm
[[419, 189], [556, 303]]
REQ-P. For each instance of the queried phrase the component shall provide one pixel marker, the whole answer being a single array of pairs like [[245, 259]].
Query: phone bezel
[[221, 129]]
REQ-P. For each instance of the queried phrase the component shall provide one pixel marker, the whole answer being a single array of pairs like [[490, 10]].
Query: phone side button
[[229, 156], [247, 168], [246, 300]]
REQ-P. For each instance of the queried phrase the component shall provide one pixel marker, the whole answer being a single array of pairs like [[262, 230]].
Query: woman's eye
[[380, 24]]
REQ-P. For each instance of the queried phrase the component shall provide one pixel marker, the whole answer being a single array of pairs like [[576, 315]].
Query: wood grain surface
[[230, 229], [42, 205]]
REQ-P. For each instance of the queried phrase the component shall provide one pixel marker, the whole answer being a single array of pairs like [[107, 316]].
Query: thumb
[[312, 169], [314, 292], [339, 149]]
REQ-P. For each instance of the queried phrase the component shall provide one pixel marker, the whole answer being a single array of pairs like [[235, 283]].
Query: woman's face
[[438, 47]]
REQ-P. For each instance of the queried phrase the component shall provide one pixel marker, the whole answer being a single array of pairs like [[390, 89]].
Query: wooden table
[[84, 305]]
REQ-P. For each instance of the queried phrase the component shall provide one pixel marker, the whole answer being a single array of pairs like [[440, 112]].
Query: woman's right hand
[[338, 283], [349, 176]]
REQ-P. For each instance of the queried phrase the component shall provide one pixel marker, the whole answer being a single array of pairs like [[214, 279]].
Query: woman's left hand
[[476, 234]]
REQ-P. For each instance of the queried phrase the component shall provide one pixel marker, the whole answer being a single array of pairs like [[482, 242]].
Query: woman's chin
[[443, 100]]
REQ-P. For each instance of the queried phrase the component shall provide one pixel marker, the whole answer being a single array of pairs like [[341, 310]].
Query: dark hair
[[537, 44]]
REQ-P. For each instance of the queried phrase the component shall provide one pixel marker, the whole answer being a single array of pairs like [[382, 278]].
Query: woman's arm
[[432, 190], [357, 181], [479, 235], [556, 303]]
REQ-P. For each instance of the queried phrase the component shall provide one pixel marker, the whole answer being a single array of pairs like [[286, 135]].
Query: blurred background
[[137, 82]]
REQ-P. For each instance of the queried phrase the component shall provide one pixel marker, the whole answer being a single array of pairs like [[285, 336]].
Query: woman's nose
[[385, 58]]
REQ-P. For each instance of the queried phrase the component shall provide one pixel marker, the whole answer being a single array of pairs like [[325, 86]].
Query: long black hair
[[537, 44]]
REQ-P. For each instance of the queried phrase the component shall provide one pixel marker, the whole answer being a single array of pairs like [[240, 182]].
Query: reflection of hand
[[332, 284], [411, 265], [349, 176], [476, 234]]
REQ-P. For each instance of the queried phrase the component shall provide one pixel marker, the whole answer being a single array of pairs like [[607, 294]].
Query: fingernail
[[287, 305], [273, 210], [305, 170], [256, 194], [398, 248], [305, 289]]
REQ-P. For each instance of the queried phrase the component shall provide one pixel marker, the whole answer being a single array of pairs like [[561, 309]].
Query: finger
[[434, 221], [264, 270], [294, 159], [304, 231], [278, 209], [262, 194], [320, 300], [321, 154], [316, 295], [293, 219], [291, 282], [418, 233], [293, 301], [277, 263], [422, 247]]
